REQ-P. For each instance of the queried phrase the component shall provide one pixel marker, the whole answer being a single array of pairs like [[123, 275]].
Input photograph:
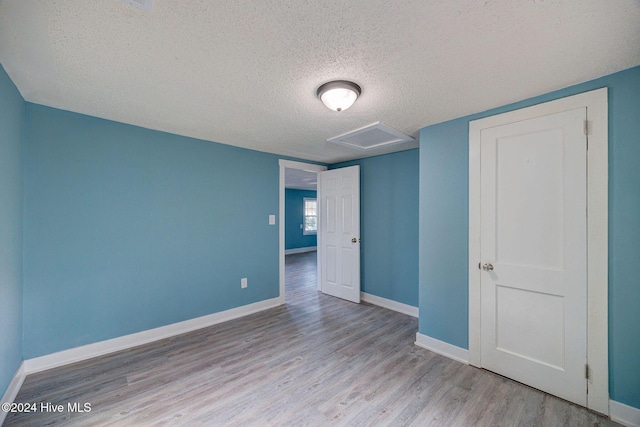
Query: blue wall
[[389, 224], [11, 130], [444, 227], [127, 229], [294, 236]]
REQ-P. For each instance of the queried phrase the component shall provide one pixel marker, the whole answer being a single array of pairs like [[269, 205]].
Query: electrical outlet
[[243, 282]]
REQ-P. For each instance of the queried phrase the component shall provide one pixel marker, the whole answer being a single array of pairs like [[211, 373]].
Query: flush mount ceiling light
[[339, 95]]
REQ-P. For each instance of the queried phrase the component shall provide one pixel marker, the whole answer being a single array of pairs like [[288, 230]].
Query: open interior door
[[339, 232]]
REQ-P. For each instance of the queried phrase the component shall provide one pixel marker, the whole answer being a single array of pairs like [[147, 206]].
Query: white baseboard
[[449, 350], [624, 414], [618, 412], [300, 250], [390, 304], [88, 351], [13, 389]]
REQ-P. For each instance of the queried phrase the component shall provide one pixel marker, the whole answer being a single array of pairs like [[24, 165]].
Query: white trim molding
[[389, 304], [100, 348], [300, 250], [596, 102], [443, 348], [13, 389], [624, 414]]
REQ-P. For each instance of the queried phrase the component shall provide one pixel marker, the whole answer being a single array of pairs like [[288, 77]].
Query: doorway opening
[[300, 230], [298, 223]]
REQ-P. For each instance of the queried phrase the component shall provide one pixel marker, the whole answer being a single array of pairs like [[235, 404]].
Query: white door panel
[[339, 232], [533, 232]]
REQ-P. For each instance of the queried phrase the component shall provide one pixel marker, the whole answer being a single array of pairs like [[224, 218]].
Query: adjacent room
[[244, 213]]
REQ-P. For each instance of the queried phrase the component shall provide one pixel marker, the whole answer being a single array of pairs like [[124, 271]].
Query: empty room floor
[[315, 361]]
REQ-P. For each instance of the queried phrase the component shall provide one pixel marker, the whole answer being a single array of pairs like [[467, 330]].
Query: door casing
[[597, 232]]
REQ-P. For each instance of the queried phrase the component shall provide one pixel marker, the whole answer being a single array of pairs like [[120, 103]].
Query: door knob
[[487, 267], [354, 240]]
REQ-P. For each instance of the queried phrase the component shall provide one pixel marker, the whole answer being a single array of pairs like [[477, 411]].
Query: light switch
[[272, 219]]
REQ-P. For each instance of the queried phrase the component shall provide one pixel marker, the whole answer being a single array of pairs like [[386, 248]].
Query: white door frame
[[284, 164], [597, 232]]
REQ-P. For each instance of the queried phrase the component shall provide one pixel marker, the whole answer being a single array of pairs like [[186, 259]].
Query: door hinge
[[586, 371], [586, 132]]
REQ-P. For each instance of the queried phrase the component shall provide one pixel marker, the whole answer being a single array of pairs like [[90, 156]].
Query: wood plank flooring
[[316, 361]]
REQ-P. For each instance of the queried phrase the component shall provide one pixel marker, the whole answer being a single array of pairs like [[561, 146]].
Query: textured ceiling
[[300, 179], [245, 72]]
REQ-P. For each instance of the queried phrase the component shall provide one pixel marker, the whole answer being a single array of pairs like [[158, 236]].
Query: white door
[[534, 252], [339, 232]]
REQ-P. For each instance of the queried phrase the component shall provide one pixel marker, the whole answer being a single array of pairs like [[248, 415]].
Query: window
[[310, 213]]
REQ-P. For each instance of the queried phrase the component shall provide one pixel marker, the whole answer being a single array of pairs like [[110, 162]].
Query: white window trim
[[304, 230]]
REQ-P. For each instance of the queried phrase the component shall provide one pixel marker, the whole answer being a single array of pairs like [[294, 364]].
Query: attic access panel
[[372, 136], [140, 4]]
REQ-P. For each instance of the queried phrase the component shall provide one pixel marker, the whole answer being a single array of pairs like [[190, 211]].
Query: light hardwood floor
[[316, 361]]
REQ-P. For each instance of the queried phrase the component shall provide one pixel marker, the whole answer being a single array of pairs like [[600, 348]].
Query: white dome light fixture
[[339, 95]]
